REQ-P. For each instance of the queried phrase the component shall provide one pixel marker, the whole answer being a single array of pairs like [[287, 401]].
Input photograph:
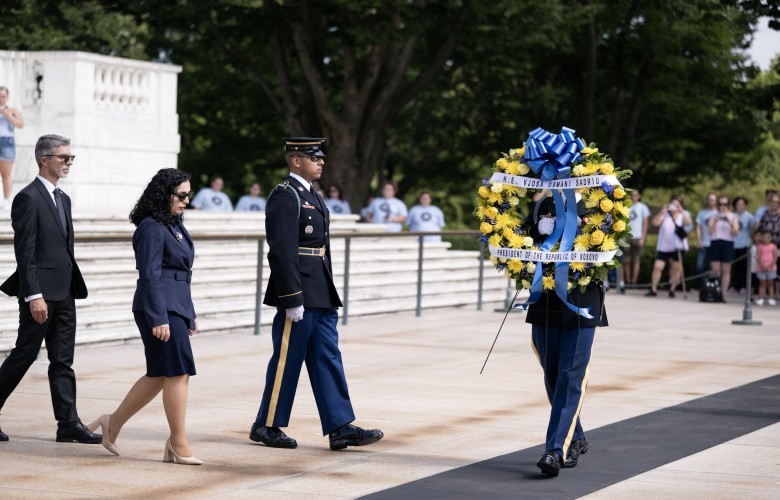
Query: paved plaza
[[449, 431]]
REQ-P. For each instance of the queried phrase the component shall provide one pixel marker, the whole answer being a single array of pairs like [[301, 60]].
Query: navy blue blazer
[[163, 256]]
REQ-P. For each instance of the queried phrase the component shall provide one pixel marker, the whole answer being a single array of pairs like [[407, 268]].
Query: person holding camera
[[723, 228], [672, 241]]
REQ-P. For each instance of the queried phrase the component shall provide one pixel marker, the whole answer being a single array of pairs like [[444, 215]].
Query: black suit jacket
[[298, 280], [45, 262]]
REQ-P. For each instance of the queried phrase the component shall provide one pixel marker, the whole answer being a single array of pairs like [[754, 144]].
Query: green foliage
[[663, 87]]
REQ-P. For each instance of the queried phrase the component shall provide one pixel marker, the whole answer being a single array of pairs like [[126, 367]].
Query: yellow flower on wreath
[[591, 168], [495, 240], [507, 233], [578, 170], [515, 265], [594, 197], [607, 168], [608, 244], [495, 198], [606, 205], [486, 228], [597, 237], [548, 282], [584, 281], [619, 193], [596, 219], [484, 191], [491, 212], [497, 187], [506, 220], [619, 226], [582, 242], [525, 284], [502, 163], [528, 242], [622, 209], [589, 151], [530, 267], [577, 266], [516, 241]]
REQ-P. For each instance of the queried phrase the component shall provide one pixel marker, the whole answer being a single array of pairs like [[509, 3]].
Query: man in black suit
[[46, 281], [301, 277]]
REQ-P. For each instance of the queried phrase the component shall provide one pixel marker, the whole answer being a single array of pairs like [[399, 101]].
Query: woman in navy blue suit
[[163, 311]]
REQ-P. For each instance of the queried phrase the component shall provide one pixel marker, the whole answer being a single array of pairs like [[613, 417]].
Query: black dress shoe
[[577, 448], [78, 433], [271, 436], [550, 463], [650, 294], [351, 435], [3, 436]]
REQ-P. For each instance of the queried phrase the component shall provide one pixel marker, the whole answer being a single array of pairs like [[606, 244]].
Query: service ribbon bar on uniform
[[550, 256]]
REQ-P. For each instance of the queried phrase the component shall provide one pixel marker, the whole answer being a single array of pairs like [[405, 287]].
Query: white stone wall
[[119, 113]]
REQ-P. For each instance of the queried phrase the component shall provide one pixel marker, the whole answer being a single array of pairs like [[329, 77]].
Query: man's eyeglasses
[[314, 159], [184, 196], [65, 158]]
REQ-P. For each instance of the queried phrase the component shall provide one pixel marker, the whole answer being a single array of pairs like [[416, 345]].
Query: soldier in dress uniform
[[304, 328], [562, 341]]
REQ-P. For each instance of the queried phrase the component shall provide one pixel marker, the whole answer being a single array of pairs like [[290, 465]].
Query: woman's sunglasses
[[184, 196]]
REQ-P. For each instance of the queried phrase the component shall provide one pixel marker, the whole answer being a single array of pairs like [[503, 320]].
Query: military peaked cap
[[311, 146]]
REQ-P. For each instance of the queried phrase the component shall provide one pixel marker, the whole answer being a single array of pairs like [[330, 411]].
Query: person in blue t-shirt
[[703, 236], [251, 202], [387, 209], [212, 199], [336, 202], [426, 217]]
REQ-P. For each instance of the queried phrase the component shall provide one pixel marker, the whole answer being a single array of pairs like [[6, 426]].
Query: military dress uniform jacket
[[295, 232]]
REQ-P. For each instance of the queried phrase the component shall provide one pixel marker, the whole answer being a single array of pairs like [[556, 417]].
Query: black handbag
[[680, 231]]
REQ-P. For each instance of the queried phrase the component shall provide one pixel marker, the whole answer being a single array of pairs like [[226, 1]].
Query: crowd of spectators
[[728, 239], [386, 209]]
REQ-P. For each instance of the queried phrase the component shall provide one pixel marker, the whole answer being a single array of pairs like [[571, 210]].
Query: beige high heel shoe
[[103, 422], [172, 456]]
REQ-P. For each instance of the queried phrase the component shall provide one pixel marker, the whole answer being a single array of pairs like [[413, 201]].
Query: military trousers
[[314, 341], [564, 354]]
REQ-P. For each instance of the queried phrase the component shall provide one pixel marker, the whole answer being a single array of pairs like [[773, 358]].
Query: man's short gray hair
[[47, 144]]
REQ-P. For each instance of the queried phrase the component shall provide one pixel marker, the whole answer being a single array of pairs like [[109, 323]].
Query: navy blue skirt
[[167, 359]]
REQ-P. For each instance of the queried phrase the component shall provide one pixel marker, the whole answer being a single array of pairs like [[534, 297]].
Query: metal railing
[[348, 237]]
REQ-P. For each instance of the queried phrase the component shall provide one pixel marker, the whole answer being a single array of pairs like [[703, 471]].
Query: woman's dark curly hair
[[156, 199]]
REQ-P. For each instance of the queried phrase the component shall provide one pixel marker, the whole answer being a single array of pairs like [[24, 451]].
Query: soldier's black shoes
[[271, 436], [550, 463], [3, 436], [350, 435], [577, 448], [77, 433]]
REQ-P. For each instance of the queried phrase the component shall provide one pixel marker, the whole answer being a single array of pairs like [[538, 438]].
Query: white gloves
[[295, 313], [546, 225]]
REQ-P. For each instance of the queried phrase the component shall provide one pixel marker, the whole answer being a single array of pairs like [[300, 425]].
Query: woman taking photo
[[163, 311], [723, 228], [10, 118]]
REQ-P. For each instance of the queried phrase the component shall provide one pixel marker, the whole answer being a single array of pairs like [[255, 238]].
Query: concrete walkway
[[418, 380]]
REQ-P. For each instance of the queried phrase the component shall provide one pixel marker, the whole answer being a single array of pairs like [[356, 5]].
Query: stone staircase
[[383, 274]]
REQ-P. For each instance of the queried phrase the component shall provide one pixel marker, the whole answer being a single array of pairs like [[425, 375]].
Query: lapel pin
[[309, 230]]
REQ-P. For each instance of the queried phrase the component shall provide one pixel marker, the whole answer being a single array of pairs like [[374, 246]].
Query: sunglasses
[[184, 196], [65, 158], [312, 158]]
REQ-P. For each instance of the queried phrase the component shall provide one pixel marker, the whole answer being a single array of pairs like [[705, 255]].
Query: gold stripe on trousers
[[279, 372]]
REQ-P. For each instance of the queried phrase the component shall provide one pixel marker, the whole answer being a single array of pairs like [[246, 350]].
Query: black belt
[[177, 275]]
